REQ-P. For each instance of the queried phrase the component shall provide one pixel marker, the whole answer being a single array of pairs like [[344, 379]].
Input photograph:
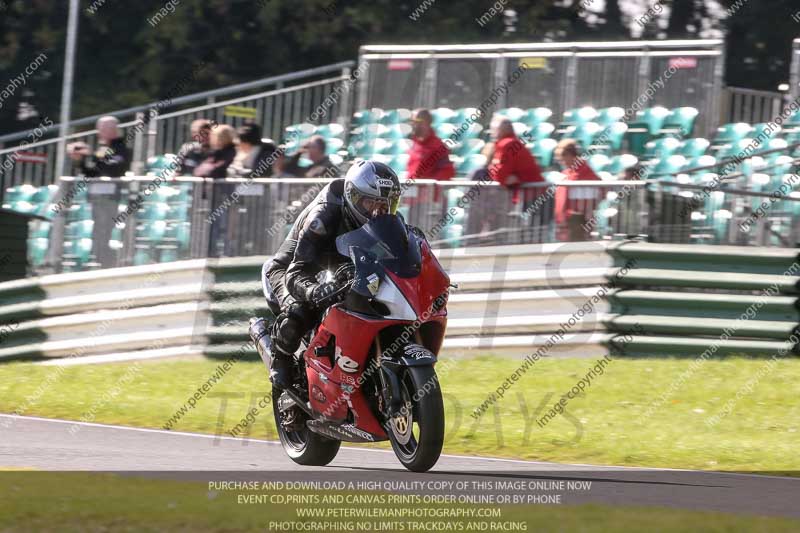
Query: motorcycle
[[366, 373]]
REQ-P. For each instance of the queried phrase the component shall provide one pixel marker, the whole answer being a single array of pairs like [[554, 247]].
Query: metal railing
[[559, 76], [749, 105], [162, 127], [105, 223]]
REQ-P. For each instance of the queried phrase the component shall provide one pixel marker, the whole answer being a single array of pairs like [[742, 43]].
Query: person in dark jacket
[[314, 149], [198, 149], [254, 157], [290, 279], [223, 150], [112, 157]]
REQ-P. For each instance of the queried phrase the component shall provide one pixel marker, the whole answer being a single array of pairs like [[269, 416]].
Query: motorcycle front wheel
[[417, 434], [302, 445]]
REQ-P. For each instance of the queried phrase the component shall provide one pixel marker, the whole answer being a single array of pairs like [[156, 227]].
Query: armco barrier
[[704, 301], [202, 306]]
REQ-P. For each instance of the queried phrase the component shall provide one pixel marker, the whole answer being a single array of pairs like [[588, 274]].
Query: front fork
[[390, 371]]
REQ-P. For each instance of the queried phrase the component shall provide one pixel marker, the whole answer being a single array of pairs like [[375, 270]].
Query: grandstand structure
[[658, 107]]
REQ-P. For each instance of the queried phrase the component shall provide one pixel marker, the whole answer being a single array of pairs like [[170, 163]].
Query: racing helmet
[[370, 188]]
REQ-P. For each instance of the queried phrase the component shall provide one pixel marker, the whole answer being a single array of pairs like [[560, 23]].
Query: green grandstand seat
[[680, 121], [514, 114], [391, 147], [537, 115], [619, 163], [470, 146], [463, 114], [473, 131], [774, 144], [543, 151], [662, 148], [333, 145], [598, 162], [669, 165], [753, 165], [399, 162], [694, 147], [168, 255], [701, 161], [732, 133], [452, 233], [81, 249], [584, 133], [37, 250], [299, 131], [580, 115], [396, 116], [154, 211], [542, 130], [161, 164], [395, 131], [793, 120], [443, 115], [40, 229], [444, 130], [82, 229], [612, 136], [727, 151], [609, 115], [652, 119], [143, 256], [329, 131], [519, 128], [81, 211], [764, 129], [362, 117], [471, 163], [24, 192], [154, 231]]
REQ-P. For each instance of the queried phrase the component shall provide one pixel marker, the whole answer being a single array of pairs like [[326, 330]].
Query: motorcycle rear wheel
[[417, 436], [303, 446]]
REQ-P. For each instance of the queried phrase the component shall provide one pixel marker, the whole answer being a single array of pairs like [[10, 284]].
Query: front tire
[[302, 445], [417, 436]]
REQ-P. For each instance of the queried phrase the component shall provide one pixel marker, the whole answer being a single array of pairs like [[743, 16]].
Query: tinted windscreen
[[387, 239]]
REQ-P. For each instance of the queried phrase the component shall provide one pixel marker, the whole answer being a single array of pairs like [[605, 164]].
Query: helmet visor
[[372, 206]]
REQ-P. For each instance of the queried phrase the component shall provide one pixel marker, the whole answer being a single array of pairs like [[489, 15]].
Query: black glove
[[324, 295], [345, 274]]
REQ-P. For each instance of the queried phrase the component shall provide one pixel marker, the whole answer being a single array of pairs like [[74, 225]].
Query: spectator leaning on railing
[[223, 150], [199, 148], [315, 151], [252, 154], [427, 148], [509, 163], [572, 201], [112, 157]]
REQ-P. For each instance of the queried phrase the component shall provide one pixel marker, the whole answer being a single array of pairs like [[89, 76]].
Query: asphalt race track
[[44, 444]]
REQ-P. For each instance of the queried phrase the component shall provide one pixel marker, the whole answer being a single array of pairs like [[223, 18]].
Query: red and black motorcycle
[[366, 373]]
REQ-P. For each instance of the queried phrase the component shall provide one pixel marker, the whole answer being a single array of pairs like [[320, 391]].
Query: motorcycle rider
[[291, 279]]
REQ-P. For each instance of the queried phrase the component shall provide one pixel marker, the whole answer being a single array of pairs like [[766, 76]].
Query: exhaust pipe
[[259, 334]]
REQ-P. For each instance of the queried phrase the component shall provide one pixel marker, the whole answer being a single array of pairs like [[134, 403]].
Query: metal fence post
[[572, 76], [345, 99], [794, 76], [152, 133], [138, 146]]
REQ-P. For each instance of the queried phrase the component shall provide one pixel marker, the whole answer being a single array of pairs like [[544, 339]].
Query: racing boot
[[280, 372], [277, 361]]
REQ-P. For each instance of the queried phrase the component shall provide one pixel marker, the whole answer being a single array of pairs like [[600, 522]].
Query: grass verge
[[608, 424]]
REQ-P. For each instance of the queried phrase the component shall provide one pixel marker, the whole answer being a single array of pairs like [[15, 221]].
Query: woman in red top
[[574, 200]]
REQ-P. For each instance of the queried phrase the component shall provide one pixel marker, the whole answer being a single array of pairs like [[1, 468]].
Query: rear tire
[[303, 446], [417, 442]]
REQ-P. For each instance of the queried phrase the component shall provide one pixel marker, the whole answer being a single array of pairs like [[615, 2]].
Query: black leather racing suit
[[309, 249]]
